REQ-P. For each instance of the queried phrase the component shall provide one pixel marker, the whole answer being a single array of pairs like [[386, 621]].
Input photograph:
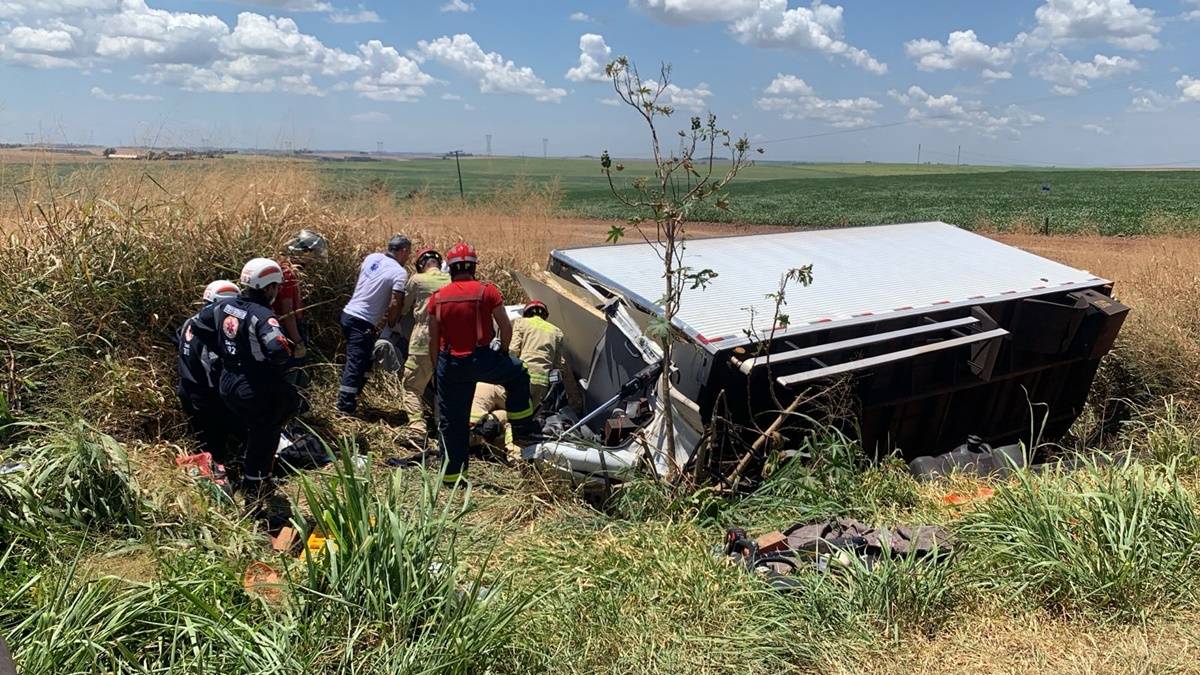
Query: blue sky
[[1067, 82]]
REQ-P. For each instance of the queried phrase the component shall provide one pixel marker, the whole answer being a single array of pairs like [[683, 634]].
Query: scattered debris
[[983, 494], [824, 545], [973, 458], [200, 467], [286, 541], [11, 467], [262, 581]]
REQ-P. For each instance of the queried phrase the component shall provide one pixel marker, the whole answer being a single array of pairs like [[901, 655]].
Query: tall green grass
[[392, 572], [1119, 541]]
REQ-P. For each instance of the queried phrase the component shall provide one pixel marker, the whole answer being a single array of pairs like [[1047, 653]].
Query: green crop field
[[1105, 201]]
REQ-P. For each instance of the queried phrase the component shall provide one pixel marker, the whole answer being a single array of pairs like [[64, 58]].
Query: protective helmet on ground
[[461, 256], [260, 273], [308, 242], [536, 308], [221, 288], [426, 255]]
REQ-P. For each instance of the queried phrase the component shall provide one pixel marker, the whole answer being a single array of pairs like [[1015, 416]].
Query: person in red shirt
[[289, 303], [460, 338]]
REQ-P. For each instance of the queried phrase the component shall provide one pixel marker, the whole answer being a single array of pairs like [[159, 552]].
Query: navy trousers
[[209, 421], [360, 354], [456, 380], [263, 407]]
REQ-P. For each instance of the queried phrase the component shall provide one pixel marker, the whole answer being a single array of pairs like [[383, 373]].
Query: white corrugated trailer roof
[[860, 275]]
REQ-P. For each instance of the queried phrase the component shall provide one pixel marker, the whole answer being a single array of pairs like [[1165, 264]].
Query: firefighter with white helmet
[[245, 334], [199, 376]]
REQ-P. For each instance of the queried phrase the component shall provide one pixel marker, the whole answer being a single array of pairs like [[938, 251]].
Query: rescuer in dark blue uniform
[[199, 379], [245, 334]]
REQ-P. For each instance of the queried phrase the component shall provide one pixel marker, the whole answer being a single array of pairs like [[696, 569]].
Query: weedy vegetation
[[111, 561]]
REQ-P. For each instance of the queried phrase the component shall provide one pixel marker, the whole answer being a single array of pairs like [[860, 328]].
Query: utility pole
[[461, 194], [958, 162], [489, 144], [918, 153], [379, 147], [545, 148]]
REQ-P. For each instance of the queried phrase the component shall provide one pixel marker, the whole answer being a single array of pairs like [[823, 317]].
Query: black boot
[[527, 432]]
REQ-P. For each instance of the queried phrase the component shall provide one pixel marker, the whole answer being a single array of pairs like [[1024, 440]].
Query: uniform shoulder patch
[[230, 326], [273, 322]]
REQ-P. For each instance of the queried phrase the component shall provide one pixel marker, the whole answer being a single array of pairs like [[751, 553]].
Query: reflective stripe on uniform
[[451, 478], [346, 389], [256, 349], [521, 414]]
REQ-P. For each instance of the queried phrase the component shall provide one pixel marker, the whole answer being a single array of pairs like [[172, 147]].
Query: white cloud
[[390, 76], [159, 36], [458, 6], [495, 74], [948, 111], [609, 101], [371, 117], [295, 5], [201, 53], [1117, 22], [793, 98], [267, 44], [769, 23], [580, 16], [468, 107], [363, 15], [962, 51], [1189, 88], [693, 99], [1097, 129], [593, 58], [41, 41], [1149, 100], [451, 97], [99, 93], [1071, 77], [788, 84], [817, 28], [43, 47], [695, 11]]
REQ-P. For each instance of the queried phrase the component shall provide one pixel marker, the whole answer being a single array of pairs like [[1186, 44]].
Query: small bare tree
[[683, 180]]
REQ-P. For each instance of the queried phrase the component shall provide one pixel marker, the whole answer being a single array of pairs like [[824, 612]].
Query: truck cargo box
[[939, 332]]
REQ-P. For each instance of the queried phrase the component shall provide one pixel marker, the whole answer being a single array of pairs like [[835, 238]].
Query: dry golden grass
[[1156, 276], [997, 642]]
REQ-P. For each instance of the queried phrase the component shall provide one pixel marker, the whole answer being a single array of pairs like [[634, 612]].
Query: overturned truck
[[935, 334]]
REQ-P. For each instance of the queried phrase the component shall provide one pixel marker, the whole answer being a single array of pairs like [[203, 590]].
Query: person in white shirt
[[377, 301]]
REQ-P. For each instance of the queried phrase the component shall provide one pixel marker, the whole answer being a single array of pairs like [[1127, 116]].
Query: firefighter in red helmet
[[461, 317]]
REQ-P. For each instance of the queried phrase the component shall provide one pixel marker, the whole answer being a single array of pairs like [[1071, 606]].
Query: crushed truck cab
[[938, 333]]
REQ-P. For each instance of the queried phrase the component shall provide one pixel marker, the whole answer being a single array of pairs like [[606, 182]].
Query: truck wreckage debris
[[937, 334]]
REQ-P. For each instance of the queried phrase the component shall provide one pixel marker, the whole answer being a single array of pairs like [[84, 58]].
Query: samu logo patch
[[230, 326]]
